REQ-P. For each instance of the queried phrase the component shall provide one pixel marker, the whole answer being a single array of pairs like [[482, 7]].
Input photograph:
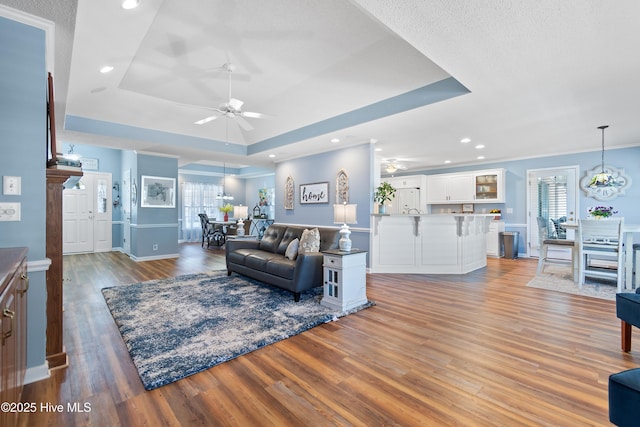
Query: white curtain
[[198, 197]]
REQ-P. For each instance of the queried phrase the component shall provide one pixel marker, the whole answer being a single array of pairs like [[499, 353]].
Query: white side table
[[345, 279]]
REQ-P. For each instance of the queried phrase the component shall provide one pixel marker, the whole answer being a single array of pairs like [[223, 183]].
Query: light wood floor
[[475, 350]]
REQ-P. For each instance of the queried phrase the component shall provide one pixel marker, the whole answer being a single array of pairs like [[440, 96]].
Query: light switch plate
[[9, 211], [11, 185]]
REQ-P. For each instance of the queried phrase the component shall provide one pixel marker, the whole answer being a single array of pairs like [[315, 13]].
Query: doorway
[[552, 195], [86, 215]]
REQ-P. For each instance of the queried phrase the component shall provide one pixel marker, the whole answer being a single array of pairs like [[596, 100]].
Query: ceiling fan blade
[[252, 115], [243, 123], [206, 120]]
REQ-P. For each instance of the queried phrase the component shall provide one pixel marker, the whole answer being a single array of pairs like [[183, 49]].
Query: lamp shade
[[344, 214], [240, 211]]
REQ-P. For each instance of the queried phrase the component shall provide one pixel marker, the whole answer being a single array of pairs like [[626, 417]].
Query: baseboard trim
[[153, 258]]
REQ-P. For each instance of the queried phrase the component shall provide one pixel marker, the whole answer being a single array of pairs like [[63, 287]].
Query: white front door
[[77, 217], [103, 207], [552, 195], [86, 222]]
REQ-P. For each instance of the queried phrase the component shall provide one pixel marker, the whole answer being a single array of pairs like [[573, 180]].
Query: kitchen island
[[429, 243]]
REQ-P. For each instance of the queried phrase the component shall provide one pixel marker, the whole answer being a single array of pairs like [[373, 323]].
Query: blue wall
[[23, 85], [357, 162]]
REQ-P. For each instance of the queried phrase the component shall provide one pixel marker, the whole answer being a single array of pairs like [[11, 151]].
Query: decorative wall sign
[[89, 164], [289, 193], [342, 187], [158, 192], [605, 192], [317, 192]]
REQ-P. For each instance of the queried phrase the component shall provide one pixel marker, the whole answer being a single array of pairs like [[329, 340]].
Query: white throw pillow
[[292, 249], [310, 241]]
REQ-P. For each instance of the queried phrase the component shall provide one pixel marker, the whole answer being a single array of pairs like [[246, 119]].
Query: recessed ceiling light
[[480, 157], [378, 149], [479, 146], [272, 155], [130, 4], [465, 140], [447, 161], [335, 140], [106, 69]]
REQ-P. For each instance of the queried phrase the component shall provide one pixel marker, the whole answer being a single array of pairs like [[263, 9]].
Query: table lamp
[[240, 213], [345, 214]]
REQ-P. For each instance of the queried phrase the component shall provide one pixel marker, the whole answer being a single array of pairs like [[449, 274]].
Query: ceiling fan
[[392, 165], [232, 109]]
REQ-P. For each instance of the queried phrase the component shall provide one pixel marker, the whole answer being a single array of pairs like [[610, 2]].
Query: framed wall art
[[342, 187], [317, 192], [289, 190], [157, 192]]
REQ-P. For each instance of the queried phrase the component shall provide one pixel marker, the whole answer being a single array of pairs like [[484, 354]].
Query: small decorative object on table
[[384, 193], [226, 209], [601, 212]]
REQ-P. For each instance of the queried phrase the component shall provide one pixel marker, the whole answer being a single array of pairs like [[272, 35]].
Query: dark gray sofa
[[264, 260]]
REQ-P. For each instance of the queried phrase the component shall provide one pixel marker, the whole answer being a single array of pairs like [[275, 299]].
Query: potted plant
[[226, 209], [384, 193], [602, 212]]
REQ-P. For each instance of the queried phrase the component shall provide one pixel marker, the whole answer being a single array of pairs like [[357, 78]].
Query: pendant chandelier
[[602, 179], [224, 195]]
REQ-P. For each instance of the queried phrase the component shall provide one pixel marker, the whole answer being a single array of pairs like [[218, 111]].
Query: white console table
[[345, 279]]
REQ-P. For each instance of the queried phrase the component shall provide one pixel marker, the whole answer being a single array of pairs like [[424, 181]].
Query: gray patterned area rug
[[177, 327], [559, 279]]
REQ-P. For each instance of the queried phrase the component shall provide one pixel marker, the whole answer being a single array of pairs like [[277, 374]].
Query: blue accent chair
[[628, 311], [624, 398]]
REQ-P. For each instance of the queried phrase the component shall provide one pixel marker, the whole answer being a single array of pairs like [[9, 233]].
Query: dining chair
[[207, 229], [548, 240], [601, 241]]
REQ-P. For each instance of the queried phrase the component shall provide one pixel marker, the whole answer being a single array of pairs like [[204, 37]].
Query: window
[[198, 197]]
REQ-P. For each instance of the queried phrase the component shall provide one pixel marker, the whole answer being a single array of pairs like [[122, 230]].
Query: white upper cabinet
[[450, 188], [486, 186]]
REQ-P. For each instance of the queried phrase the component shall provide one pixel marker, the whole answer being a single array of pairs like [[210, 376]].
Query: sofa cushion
[[272, 237], [259, 259], [310, 241], [290, 234], [292, 249], [281, 267]]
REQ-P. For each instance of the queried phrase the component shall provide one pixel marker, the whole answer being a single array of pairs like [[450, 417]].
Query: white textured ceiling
[[542, 75]]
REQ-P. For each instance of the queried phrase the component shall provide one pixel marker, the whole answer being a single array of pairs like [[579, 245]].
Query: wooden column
[[56, 356]]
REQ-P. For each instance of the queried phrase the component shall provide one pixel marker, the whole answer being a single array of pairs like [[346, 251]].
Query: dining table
[[628, 232]]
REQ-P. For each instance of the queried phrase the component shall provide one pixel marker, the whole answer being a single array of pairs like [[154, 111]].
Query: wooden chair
[[601, 240], [547, 241]]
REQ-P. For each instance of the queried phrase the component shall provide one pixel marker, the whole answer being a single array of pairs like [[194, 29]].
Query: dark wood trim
[[55, 353]]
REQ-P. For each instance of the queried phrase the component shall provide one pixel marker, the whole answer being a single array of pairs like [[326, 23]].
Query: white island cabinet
[[429, 244]]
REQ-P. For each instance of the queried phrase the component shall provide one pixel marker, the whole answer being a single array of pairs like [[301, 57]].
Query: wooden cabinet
[[486, 186], [450, 188], [13, 333]]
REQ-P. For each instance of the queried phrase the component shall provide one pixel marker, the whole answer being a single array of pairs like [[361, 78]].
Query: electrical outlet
[[9, 211], [155, 246]]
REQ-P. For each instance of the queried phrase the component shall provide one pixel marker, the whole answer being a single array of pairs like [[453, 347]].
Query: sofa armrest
[[308, 269], [232, 245]]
